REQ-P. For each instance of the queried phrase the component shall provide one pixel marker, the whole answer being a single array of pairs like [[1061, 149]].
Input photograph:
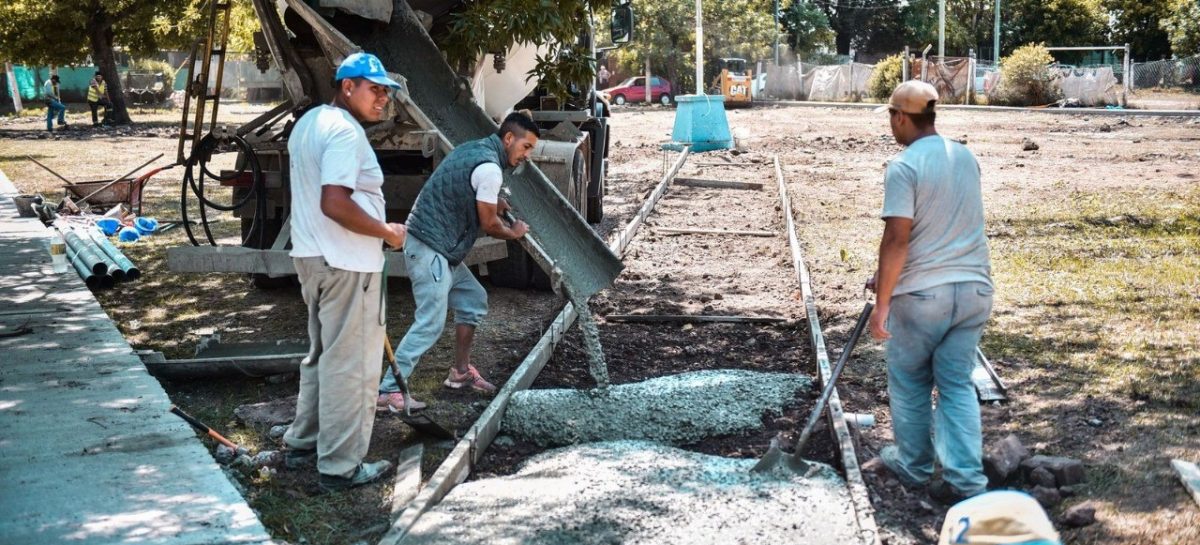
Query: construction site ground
[[1095, 241]]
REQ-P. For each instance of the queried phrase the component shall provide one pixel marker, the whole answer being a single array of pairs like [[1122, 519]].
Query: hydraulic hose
[[195, 183]]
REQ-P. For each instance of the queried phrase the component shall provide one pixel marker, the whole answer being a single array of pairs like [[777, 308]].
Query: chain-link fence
[[1171, 73]]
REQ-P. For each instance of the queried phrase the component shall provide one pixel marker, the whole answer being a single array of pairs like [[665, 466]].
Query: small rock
[[1041, 476], [243, 462], [280, 378], [1078, 516], [278, 431], [1067, 471], [1003, 458], [1028, 145], [267, 458], [1095, 422], [926, 506], [1068, 491], [224, 454], [503, 441], [1106, 128], [1048, 497]]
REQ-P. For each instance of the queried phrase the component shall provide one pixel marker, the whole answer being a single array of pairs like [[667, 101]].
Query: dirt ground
[[1095, 242]]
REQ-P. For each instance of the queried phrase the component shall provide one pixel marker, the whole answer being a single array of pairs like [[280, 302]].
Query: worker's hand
[[397, 233], [519, 229], [502, 206], [870, 285], [878, 324]]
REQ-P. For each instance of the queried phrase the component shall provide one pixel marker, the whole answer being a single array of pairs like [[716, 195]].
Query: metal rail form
[[868, 531], [469, 450]]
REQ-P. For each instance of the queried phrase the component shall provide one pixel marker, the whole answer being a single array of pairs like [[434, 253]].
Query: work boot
[[297, 458], [365, 473], [395, 402], [471, 378], [948, 494], [889, 459]]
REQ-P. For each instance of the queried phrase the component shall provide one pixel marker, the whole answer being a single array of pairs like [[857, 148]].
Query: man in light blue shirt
[[933, 297]]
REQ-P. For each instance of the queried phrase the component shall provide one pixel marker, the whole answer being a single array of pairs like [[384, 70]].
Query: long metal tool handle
[[837, 370], [203, 428]]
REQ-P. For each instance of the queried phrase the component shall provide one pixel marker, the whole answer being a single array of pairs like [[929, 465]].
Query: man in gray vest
[[462, 196], [933, 297]]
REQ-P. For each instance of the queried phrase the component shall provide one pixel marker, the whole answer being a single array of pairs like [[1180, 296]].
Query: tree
[[60, 32], [807, 27], [968, 24], [1137, 23], [1053, 22], [1183, 27], [490, 26], [863, 25], [665, 34]]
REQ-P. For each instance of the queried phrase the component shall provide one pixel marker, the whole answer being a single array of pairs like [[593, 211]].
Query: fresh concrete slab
[[676, 409], [88, 452], [645, 493]]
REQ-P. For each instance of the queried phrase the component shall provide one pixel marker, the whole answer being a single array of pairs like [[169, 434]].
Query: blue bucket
[[108, 226], [129, 234], [145, 226], [700, 122]]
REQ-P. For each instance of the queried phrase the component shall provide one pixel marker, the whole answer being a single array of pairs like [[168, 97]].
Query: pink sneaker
[[471, 378], [395, 402]]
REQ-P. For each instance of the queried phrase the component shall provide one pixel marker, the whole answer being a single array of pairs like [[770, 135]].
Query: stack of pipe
[[99, 263]]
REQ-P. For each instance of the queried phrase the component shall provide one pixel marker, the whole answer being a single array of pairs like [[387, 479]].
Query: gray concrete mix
[[644, 493], [88, 451], [676, 409]]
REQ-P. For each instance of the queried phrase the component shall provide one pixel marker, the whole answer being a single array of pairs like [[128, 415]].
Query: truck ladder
[[213, 47]]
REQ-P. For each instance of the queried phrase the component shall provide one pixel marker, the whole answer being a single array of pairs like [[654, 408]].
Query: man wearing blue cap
[[338, 223]]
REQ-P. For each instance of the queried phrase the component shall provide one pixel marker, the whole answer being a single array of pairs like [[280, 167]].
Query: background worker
[[98, 96], [462, 196], [933, 297], [54, 105], [338, 227]]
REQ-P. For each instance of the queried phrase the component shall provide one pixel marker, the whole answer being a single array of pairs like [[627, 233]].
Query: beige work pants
[[338, 380]]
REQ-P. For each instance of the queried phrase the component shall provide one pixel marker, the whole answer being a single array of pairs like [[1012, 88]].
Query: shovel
[[775, 456], [420, 422]]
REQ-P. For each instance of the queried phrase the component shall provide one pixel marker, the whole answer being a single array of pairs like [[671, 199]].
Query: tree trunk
[[100, 34], [842, 41]]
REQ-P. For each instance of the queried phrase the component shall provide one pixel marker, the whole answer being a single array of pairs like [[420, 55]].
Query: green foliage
[[154, 66], [1136, 22], [969, 24], [1052, 22], [1183, 27], [489, 26], [665, 35], [1026, 78], [886, 77], [807, 27], [180, 30]]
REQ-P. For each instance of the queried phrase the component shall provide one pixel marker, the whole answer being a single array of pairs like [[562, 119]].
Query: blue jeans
[[437, 287], [55, 108], [934, 335]]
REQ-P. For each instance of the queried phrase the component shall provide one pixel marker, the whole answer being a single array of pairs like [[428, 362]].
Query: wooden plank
[[1189, 476], [408, 477], [250, 366], [720, 184], [693, 318], [731, 232], [859, 498], [236, 259]]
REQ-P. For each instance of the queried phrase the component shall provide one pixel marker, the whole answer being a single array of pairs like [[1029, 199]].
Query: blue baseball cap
[[366, 66]]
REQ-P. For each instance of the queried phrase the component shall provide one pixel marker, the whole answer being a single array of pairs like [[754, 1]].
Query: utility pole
[[699, 49], [776, 32], [996, 36], [941, 29]]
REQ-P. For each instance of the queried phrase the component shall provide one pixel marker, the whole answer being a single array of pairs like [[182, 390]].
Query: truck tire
[[595, 200], [518, 271]]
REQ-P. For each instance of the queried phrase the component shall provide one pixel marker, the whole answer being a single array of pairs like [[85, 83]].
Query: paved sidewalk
[[88, 451]]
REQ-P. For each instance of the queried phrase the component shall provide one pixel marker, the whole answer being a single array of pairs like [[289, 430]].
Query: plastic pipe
[[89, 278], [131, 272], [88, 253]]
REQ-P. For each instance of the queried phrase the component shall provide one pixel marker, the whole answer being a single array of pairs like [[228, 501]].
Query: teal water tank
[[700, 123]]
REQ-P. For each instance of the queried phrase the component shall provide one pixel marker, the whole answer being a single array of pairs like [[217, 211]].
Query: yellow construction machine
[[735, 82]]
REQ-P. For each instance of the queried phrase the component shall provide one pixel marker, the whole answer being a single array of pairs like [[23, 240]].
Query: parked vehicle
[[634, 90]]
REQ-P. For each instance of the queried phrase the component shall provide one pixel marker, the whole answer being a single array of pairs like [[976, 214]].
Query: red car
[[634, 90]]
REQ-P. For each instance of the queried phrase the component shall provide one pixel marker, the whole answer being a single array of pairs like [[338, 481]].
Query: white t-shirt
[[935, 183], [486, 180], [329, 147]]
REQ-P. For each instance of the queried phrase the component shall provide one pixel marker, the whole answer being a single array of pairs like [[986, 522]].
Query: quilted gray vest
[[444, 216]]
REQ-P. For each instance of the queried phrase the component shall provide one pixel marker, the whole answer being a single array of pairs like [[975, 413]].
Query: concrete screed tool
[[775, 456], [419, 422]]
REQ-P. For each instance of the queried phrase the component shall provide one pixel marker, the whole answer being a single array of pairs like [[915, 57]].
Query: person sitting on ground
[[461, 196], [54, 105], [97, 97]]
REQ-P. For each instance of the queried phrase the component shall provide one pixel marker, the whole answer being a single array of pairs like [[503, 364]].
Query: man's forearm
[[353, 218], [892, 254]]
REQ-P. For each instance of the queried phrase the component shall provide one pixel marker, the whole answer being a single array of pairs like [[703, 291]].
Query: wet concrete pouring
[[718, 391]]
